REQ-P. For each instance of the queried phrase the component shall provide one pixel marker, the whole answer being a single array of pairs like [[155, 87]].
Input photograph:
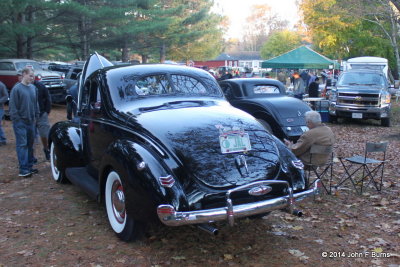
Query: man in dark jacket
[[42, 123]]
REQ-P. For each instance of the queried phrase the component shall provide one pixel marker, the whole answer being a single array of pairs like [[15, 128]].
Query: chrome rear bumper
[[170, 217]]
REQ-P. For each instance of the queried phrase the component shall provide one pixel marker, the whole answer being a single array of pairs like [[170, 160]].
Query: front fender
[[140, 169], [66, 136]]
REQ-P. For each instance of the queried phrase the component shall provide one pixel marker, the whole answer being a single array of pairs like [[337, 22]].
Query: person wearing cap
[[3, 99], [24, 111]]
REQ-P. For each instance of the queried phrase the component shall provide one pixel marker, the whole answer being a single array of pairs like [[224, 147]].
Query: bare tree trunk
[[83, 30], [29, 40], [394, 44], [125, 52], [162, 52], [144, 59], [20, 39], [83, 33]]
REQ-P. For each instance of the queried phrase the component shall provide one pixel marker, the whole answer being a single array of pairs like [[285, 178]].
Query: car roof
[[18, 60], [160, 68], [253, 81]]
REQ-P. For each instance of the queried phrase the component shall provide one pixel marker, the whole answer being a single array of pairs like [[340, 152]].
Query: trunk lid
[[192, 130]]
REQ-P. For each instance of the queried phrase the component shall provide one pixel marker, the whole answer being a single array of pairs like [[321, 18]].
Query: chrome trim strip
[[230, 212]]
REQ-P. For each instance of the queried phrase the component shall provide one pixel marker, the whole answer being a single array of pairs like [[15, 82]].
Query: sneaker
[[25, 174], [47, 154], [34, 171]]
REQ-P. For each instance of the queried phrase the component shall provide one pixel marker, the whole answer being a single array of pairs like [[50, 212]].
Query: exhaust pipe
[[208, 228], [294, 212]]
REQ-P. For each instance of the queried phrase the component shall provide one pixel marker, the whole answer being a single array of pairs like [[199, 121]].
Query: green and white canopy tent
[[300, 58]]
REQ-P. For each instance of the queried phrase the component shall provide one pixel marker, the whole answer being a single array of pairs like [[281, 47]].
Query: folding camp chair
[[372, 168], [320, 171]]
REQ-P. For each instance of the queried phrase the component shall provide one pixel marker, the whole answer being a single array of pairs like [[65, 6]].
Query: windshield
[[33, 65], [361, 78], [126, 87]]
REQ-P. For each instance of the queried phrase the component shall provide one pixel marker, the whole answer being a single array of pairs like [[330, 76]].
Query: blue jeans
[[2, 135], [24, 138]]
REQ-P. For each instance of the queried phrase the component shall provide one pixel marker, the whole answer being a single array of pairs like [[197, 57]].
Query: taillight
[[167, 181], [165, 210]]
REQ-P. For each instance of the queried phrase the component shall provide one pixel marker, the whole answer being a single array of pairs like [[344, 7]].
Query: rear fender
[[289, 172], [140, 169]]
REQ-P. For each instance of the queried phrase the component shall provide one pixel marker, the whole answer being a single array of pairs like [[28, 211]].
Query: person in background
[[72, 101], [226, 76], [282, 77], [306, 78], [24, 111], [319, 134], [312, 78], [313, 88], [42, 123], [298, 86], [3, 99]]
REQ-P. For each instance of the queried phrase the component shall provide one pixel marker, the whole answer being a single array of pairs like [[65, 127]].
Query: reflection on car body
[[161, 142]]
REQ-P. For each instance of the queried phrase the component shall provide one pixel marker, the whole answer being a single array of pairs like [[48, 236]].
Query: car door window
[[6, 66]]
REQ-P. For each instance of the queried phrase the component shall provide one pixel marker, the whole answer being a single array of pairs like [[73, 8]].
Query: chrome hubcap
[[118, 201]]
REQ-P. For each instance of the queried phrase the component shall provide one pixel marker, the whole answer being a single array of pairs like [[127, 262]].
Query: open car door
[[93, 63]]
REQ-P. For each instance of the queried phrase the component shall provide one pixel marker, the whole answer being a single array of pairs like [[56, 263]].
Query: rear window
[[265, 89], [128, 87]]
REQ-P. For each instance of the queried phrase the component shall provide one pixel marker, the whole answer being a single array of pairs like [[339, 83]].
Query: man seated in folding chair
[[371, 168], [314, 147]]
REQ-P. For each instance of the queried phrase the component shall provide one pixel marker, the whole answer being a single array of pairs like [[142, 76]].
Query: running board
[[80, 177]]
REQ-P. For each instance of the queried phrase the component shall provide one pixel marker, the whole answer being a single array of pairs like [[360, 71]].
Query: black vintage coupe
[[161, 142], [267, 101]]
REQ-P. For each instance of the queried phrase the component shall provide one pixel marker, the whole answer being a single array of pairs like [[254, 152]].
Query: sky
[[237, 11]]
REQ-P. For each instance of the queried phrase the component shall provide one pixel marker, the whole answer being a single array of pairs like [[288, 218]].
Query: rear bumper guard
[[170, 217]]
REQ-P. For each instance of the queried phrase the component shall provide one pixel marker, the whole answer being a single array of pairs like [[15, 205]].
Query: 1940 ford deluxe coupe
[[161, 142]]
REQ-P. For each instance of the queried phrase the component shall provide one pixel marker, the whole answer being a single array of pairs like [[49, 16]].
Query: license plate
[[356, 115], [304, 128], [232, 143]]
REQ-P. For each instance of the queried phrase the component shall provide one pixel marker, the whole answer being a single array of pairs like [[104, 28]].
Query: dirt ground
[[47, 224]]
